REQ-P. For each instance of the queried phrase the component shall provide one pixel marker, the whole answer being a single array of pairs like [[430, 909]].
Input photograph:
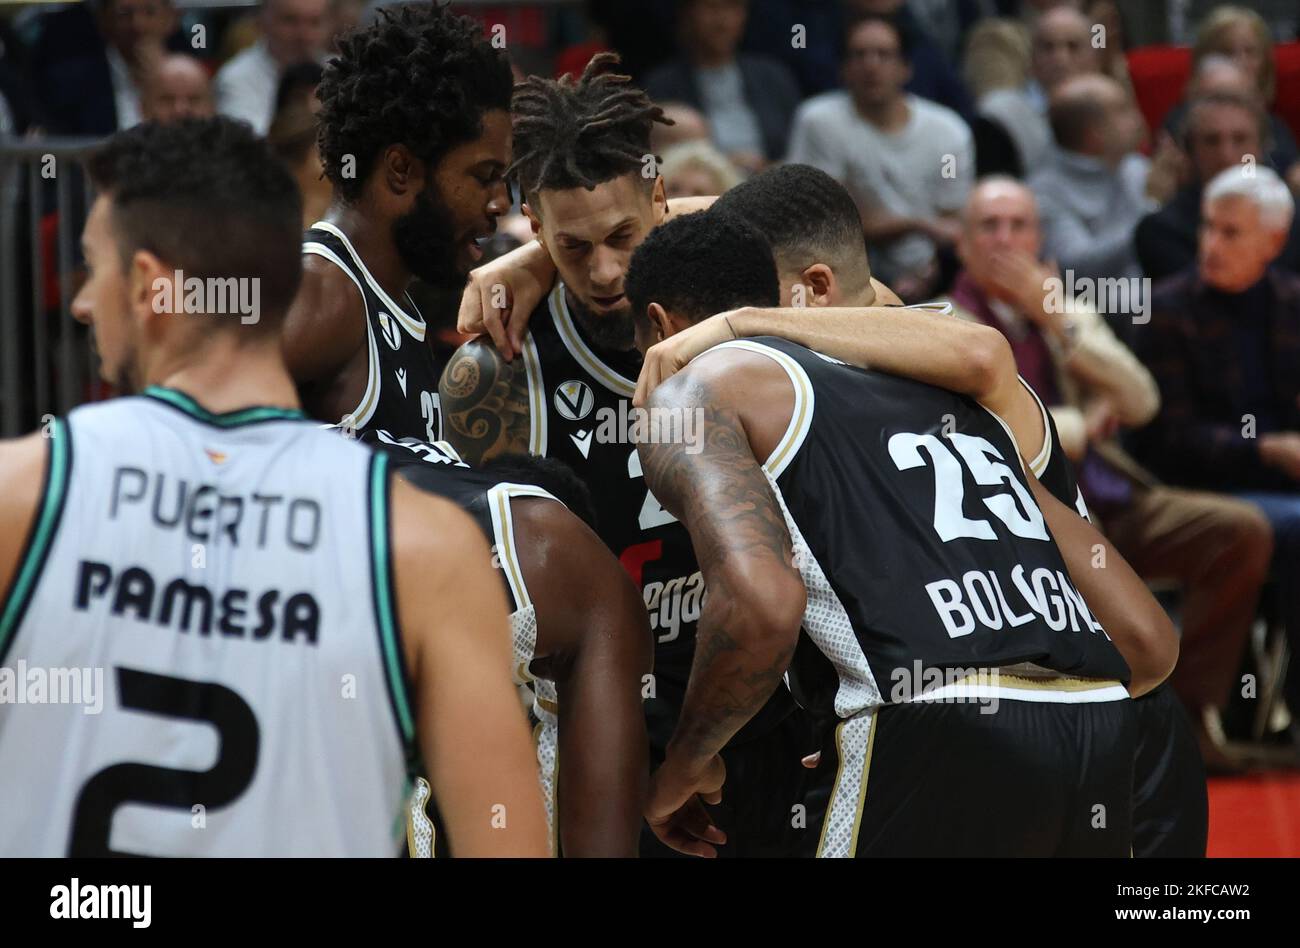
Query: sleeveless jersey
[[229, 614], [438, 469], [401, 394], [580, 409], [919, 542]]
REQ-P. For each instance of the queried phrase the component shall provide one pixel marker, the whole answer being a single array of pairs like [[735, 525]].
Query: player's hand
[[675, 808], [665, 359], [501, 296], [1282, 450]]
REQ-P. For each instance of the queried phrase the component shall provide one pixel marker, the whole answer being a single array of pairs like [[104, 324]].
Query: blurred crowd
[[1110, 186]]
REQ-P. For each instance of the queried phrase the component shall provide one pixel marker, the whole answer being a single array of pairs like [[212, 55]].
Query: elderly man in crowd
[[1221, 130], [1216, 548], [177, 88], [292, 31], [1224, 346]]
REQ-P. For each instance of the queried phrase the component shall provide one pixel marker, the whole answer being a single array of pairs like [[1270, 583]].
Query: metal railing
[[46, 360]]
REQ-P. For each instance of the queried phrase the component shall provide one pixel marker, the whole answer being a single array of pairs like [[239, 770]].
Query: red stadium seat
[[1159, 75]]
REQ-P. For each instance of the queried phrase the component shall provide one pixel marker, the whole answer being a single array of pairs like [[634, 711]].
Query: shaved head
[[177, 88]]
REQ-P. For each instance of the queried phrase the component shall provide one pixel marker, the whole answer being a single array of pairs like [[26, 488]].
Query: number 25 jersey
[[918, 539]]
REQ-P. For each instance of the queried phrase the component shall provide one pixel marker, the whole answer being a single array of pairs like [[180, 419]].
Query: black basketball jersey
[[580, 405], [918, 539], [401, 394]]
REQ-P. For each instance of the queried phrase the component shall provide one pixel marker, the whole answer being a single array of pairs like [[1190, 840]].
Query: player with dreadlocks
[[415, 138], [593, 194]]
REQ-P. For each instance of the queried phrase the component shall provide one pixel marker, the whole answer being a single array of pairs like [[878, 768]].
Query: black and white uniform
[[580, 403], [238, 610], [401, 394], [438, 469], [934, 588]]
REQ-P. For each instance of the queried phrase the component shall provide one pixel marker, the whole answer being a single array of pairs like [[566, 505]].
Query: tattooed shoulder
[[484, 402]]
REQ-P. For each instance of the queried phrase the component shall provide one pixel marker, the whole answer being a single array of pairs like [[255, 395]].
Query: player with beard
[[415, 138], [826, 544]]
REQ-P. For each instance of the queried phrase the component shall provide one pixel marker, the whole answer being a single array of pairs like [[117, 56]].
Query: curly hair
[[581, 134], [420, 76], [208, 197], [701, 264]]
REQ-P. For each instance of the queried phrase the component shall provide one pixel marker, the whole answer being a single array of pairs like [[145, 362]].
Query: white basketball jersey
[[220, 588]]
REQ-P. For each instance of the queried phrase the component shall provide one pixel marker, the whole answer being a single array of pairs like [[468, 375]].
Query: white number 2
[[978, 454], [652, 512]]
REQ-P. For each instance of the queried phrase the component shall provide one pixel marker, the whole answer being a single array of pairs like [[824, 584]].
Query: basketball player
[[811, 223], [911, 548], [581, 149], [183, 542], [415, 138], [581, 641]]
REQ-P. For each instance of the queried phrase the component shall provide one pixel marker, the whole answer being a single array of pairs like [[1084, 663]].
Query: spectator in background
[[1011, 134], [749, 100], [89, 70], [1062, 50], [1220, 130], [815, 61], [697, 169], [687, 125], [292, 31], [1095, 187], [1224, 346], [907, 162], [1111, 41], [932, 75], [293, 137], [1216, 548], [177, 88], [1216, 72]]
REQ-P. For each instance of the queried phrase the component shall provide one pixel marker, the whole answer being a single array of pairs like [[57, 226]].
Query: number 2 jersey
[[921, 546], [401, 393], [202, 636]]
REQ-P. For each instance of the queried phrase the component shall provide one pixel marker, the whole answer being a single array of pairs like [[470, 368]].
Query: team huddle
[[767, 563]]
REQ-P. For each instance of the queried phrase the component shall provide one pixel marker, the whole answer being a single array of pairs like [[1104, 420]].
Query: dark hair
[[420, 76], [1072, 116], [906, 42], [581, 134], [208, 197], [700, 264], [550, 475], [1231, 100], [297, 80], [806, 216]]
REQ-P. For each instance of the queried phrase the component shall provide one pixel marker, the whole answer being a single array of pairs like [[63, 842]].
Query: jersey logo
[[388, 326], [401, 379], [574, 400], [216, 457], [583, 440]]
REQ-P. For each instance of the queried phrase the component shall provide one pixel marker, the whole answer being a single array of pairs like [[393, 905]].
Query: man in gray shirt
[[1094, 187], [908, 163]]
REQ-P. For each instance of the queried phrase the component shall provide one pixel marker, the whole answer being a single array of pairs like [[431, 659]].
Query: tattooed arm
[[755, 601], [484, 402]]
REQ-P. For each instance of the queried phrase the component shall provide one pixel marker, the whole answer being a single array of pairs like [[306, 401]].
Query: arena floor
[[1255, 815]]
